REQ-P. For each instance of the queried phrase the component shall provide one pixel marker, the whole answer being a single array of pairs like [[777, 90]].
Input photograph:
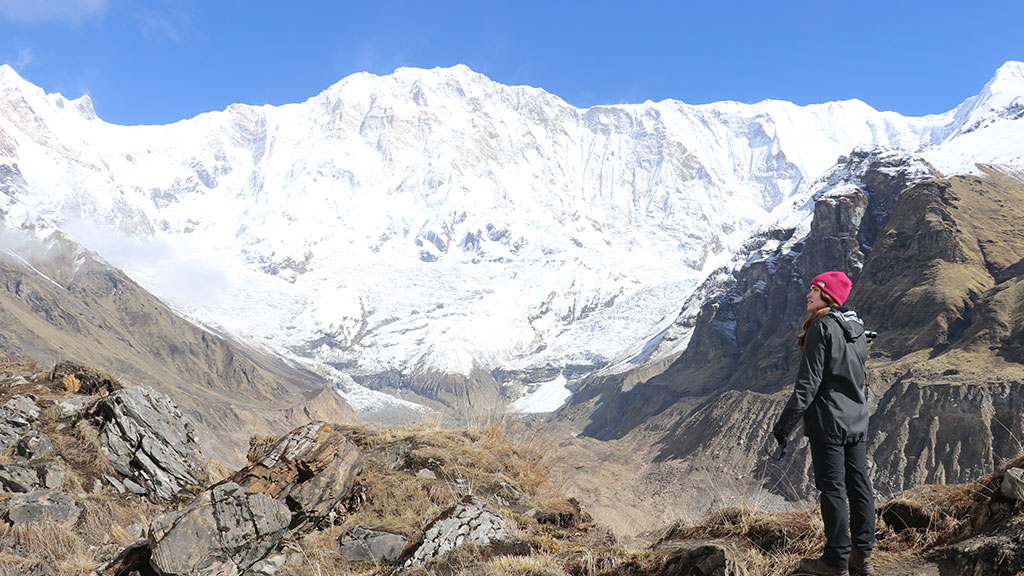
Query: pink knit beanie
[[835, 284]]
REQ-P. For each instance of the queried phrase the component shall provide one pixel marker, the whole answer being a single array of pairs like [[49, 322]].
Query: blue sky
[[159, 61]]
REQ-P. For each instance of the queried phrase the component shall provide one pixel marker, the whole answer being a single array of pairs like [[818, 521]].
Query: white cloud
[[170, 272], [50, 10], [23, 59]]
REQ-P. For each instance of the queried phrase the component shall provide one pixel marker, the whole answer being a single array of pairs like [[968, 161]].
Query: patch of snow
[[550, 396]]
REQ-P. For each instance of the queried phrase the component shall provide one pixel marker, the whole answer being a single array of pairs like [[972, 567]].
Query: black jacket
[[829, 391]]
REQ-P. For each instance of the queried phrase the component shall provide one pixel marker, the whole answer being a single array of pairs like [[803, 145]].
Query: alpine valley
[[434, 242]]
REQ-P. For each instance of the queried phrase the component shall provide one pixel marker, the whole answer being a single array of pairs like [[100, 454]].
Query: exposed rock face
[[937, 272], [998, 553], [34, 445], [943, 433], [15, 478], [455, 395], [150, 441], [469, 522], [361, 544], [34, 506], [225, 530], [13, 423], [311, 470], [742, 336], [706, 560], [1012, 486]]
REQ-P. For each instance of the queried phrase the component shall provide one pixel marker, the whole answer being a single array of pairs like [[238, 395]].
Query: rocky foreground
[[99, 478]]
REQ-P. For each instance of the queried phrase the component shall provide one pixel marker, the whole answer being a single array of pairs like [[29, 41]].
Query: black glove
[[780, 438]]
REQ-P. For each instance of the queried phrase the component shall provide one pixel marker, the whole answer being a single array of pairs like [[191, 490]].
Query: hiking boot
[[818, 567], [860, 565]]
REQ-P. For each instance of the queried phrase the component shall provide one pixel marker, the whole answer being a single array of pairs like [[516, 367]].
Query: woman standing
[[829, 395]]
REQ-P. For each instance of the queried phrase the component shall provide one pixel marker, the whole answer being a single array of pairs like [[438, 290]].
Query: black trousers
[[841, 474]]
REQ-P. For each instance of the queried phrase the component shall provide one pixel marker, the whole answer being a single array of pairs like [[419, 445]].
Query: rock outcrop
[[37, 505], [469, 522], [150, 441], [225, 530], [361, 543], [310, 469]]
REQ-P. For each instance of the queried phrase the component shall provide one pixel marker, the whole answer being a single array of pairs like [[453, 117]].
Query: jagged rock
[[998, 553], [311, 469], [34, 506], [73, 405], [17, 478], [470, 521], [13, 424], [90, 380], [150, 441], [51, 474], [34, 445], [364, 544], [1013, 484], [224, 530], [24, 405], [268, 566], [134, 488], [426, 474], [117, 484]]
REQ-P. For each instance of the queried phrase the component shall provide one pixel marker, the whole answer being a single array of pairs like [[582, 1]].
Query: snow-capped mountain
[[430, 223]]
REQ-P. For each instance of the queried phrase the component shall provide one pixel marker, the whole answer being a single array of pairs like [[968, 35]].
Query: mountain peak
[[1008, 78], [9, 75]]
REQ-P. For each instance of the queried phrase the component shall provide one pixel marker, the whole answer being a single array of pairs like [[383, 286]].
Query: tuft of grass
[[71, 384], [397, 502], [83, 450], [536, 565], [49, 541]]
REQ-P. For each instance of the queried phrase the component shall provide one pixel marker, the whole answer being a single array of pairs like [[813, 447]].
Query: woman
[[829, 395]]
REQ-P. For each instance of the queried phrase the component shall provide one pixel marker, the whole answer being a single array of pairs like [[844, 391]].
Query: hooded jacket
[[829, 391]]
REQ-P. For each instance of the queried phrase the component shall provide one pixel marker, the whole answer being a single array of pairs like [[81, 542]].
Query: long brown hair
[[813, 315]]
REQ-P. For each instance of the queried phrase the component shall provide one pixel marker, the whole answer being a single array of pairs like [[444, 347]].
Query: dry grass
[[474, 457], [537, 565], [397, 502], [320, 557], [71, 384], [10, 363], [83, 450], [50, 542]]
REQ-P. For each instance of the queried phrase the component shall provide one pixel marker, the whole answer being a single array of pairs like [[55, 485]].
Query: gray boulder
[[16, 478], [73, 405], [34, 445], [150, 441], [225, 530], [312, 469], [23, 405], [51, 474], [469, 522], [13, 424], [35, 506], [997, 553], [362, 543], [1013, 484]]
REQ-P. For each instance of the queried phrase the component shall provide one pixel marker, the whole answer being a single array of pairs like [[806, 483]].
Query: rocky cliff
[[936, 269]]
